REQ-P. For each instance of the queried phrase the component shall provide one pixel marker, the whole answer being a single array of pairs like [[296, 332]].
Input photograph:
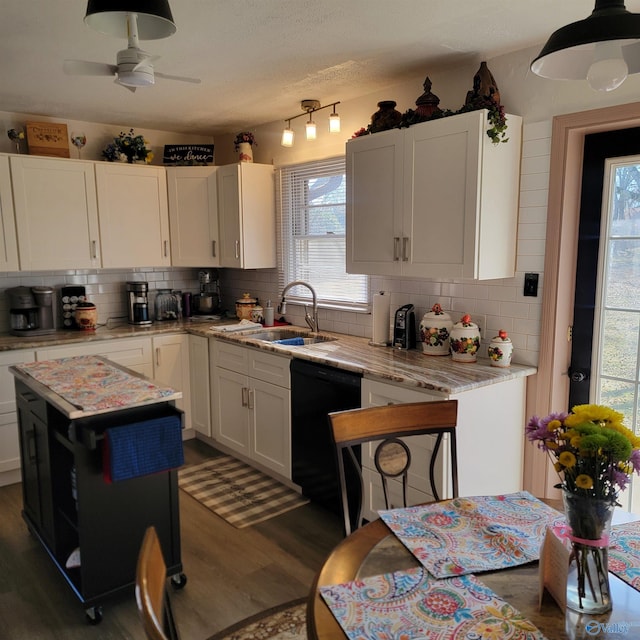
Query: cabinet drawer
[[231, 356], [376, 394], [270, 367]]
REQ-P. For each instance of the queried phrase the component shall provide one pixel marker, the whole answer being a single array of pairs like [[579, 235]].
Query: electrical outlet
[[531, 284]]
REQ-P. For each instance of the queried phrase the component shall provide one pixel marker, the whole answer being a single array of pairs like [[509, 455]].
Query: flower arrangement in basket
[[128, 147], [594, 455], [245, 136]]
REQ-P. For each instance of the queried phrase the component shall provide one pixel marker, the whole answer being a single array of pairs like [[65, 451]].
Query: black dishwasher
[[316, 390]]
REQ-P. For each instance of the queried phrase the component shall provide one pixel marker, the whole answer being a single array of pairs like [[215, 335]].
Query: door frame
[[549, 390]]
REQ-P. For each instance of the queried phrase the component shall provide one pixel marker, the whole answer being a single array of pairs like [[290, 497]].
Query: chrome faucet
[[282, 307]]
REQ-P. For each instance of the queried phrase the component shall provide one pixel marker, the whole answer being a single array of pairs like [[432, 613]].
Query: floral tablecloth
[[469, 535], [91, 384], [412, 605]]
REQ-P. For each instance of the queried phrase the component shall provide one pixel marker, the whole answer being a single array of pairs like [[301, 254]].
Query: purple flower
[[635, 460]]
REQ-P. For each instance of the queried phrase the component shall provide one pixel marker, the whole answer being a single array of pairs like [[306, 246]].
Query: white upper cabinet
[[436, 200], [56, 213], [8, 240], [134, 217], [246, 211], [193, 216]]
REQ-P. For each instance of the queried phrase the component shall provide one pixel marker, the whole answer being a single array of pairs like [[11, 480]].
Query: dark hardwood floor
[[232, 573]]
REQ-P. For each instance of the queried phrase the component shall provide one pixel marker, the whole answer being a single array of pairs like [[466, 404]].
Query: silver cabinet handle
[[213, 248], [405, 242], [166, 248], [237, 249], [245, 394], [157, 356], [94, 249], [396, 248], [251, 396]]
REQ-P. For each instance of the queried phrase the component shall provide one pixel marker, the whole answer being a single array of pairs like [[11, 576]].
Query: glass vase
[[588, 578]]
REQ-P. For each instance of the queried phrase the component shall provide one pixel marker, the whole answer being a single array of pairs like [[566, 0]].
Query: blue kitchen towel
[[141, 448], [291, 341]]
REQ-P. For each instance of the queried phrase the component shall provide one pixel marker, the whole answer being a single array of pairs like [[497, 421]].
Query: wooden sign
[[47, 139], [188, 154]]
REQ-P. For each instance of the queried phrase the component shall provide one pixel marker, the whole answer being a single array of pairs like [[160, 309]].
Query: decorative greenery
[[129, 147], [593, 452], [245, 136]]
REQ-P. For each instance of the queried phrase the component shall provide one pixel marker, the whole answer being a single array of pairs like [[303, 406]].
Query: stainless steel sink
[[276, 335]]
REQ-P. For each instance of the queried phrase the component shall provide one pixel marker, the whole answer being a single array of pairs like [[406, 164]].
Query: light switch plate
[[531, 284]]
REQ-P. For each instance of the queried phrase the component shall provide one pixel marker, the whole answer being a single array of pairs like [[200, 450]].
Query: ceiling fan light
[[110, 17], [569, 52]]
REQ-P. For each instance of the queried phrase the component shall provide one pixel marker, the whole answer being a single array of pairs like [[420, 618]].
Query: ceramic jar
[[387, 117], [244, 306], [86, 316], [245, 150], [435, 329], [465, 340], [500, 350], [257, 314]]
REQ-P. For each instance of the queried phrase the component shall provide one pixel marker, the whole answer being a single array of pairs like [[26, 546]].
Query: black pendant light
[[154, 18], [603, 48]]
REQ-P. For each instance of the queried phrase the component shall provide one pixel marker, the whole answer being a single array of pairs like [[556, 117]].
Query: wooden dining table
[[374, 550]]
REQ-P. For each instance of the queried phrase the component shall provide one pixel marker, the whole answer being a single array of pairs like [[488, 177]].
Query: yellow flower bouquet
[[594, 455]]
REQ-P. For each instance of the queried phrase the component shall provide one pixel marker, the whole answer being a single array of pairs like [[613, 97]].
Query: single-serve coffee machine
[[138, 302], [404, 328], [31, 311]]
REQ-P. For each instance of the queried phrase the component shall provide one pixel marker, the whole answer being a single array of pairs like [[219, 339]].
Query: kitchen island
[[100, 446]]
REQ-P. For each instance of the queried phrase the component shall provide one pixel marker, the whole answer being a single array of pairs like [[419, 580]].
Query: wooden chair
[[392, 456], [152, 595]]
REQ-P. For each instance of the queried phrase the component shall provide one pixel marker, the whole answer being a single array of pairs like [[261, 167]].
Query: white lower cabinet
[[251, 404], [9, 439], [490, 444], [199, 381], [171, 367]]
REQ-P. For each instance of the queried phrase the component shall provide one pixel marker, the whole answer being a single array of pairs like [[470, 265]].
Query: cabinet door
[[374, 203], [134, 217], [193, 216], [199, 384], [8, 239], [230, 409], [9, 440], [246, 210], [171, 367], [229, 215], [441, 194], [270, 407], [56, 213]]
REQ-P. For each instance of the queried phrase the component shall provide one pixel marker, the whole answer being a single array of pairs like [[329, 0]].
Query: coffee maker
[[404, 328], [31, 311], [138, 302], [208, 300]]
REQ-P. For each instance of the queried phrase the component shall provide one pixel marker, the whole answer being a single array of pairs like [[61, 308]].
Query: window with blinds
[[311, 199]]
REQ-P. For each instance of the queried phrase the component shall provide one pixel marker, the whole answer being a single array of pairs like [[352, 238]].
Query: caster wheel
[[94, 615], [179, 581]]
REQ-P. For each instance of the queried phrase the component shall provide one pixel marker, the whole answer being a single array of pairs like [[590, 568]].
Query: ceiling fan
[[134, 66]]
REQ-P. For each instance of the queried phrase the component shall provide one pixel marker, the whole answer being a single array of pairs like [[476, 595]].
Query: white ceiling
[[257, 58]]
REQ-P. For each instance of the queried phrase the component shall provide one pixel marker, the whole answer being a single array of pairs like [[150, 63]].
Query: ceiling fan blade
[[126, 86], [86, 68], [180, 78]]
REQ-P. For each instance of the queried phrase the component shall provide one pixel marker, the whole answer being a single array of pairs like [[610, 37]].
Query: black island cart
[[100, 446]]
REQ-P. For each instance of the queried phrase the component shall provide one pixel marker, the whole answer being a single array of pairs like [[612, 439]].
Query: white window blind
[[311, 200]]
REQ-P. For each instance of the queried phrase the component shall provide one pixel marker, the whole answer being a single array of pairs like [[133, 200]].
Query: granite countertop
[[412, 368], [434, 373]]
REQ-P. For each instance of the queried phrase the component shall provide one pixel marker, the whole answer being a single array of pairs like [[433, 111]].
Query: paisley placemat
[[412, 605], [469, 535], [624, 552], [91, 384]]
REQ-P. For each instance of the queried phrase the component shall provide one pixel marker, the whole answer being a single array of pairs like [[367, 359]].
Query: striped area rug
[[240, 494]]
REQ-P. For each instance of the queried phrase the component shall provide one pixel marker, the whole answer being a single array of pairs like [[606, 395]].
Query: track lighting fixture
[[603, 48], [309, 107]]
